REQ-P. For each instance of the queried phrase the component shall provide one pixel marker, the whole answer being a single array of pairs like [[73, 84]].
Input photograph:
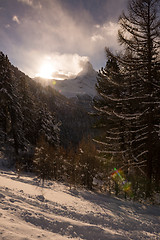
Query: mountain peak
[[87, 69], [82, 84]]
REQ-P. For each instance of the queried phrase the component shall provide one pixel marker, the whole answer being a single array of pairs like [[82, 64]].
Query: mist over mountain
[[80, 90], [82, 84]]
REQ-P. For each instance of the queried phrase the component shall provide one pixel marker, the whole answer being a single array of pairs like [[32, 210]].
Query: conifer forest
[[112, 144]]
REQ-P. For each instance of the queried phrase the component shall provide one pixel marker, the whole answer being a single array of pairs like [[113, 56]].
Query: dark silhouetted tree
[[136, 107]]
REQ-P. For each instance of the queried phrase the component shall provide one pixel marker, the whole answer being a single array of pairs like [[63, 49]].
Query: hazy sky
[[58, 34]]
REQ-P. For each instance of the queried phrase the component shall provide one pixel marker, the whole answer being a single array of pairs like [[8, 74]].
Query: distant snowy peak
[[87, 70], [82, 84]]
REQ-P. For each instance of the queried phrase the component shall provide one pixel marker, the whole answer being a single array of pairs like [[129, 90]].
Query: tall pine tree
[[137, 107]]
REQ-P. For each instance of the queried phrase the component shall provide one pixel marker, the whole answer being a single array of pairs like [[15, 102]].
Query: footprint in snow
[[41, 198], [2, 196]]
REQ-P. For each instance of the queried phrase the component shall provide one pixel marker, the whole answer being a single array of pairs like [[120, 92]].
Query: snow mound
[[29, 210]]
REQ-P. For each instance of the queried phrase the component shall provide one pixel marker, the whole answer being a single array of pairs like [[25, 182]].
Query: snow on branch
[[141, 154], [121, 99], [130, 116], [155, 85], [113, 138], [138, 140], [103, 143], [103, 111], [112, 152], [127, 132]]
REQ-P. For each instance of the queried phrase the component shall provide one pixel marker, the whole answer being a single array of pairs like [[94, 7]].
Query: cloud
[[60, 76], [7, 26], [31, 3], [16, 19], [66, 34], [97, 37], [106, 34], [28, 2], [55, 29], [103, 35], [63, 65]]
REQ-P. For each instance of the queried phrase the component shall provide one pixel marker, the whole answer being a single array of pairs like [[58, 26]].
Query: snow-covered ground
[[29, 211]]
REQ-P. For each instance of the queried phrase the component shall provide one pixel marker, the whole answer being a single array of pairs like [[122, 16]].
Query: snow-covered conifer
[[137, 106]]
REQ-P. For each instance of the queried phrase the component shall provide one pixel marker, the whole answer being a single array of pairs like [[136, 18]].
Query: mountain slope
[[28, 110], [54, 211], [82, 84]]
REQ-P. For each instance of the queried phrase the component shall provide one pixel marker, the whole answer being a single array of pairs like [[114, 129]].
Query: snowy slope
[[29, 211], [84, 83]]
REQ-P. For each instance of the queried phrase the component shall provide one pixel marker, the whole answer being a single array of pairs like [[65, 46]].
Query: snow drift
[[54, 211]]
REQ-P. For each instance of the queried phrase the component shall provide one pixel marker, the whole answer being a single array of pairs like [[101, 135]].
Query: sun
[[46, 70]]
